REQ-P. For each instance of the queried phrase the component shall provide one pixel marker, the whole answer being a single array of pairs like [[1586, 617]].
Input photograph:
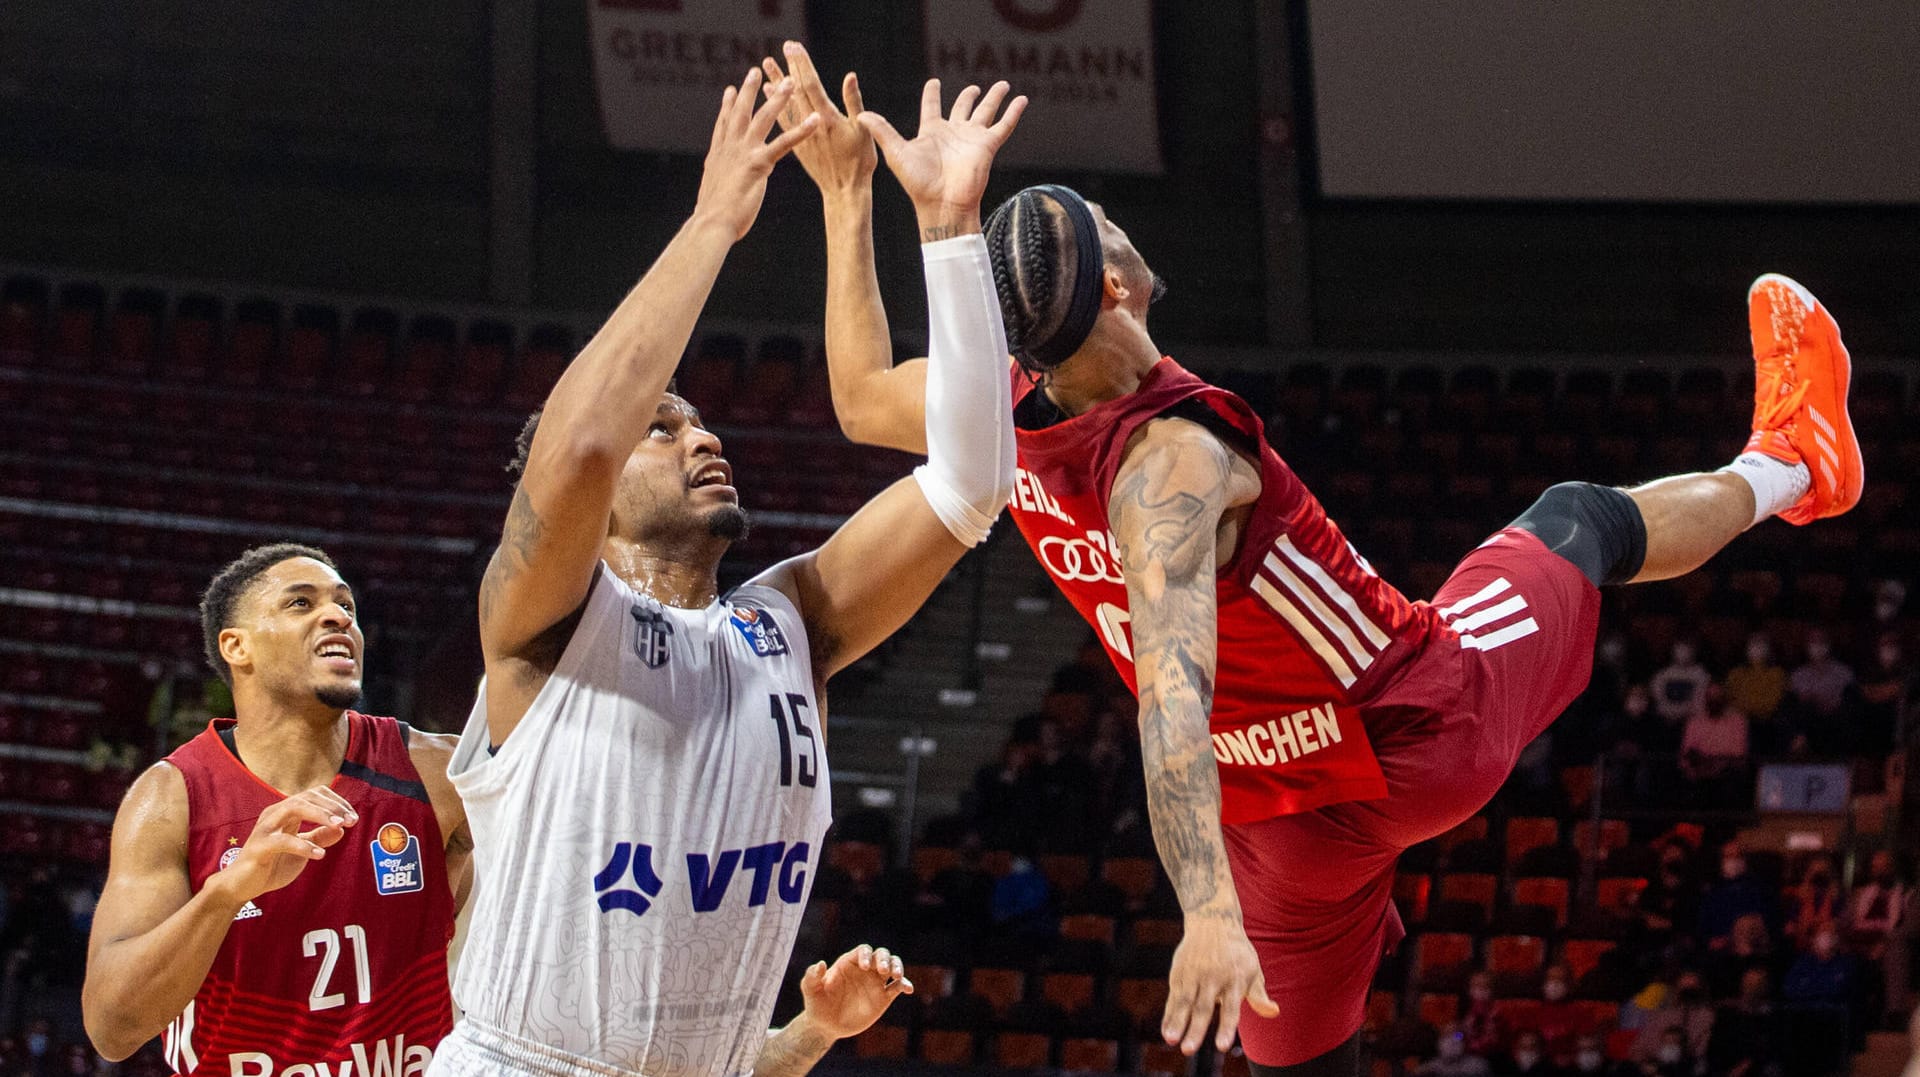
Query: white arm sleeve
[[968, 476]]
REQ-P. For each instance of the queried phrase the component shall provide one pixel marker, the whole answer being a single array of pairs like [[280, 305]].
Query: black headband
[[1085, 290]]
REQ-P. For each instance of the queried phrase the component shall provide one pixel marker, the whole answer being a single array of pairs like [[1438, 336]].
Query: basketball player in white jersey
[[644, 770]]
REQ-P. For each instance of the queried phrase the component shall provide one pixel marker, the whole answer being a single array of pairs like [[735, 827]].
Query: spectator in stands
[[1671, 1057], [1877, 907], [1558, 1019], [1758, 687], [1745, 1039], [1452, 1058], [1749, 946], [1529, 1058], [1678, 687], [1065, 780], [1115, 758], [1820, 684], [1590, 1054], [1885, 688], [1737, 893], [1823, 976], [1671, 900], [1686, 1017], [1023, 905], [1816, 903], [1006, 796], [960, 898], [1482, 1025], [1713, 750], [37, 1039]]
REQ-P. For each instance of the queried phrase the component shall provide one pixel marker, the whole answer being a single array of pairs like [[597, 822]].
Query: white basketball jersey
[[645, 840]]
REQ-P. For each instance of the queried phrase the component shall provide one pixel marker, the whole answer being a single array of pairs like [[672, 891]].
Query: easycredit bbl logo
[[763, 873], [396, 861]]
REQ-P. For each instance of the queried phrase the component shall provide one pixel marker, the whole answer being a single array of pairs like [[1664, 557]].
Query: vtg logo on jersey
[[396, 861], [757, 627], [777, 868], [653, 635]]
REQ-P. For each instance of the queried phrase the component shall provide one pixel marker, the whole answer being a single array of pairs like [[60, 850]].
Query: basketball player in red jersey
[[1286, 691], [283, 887]]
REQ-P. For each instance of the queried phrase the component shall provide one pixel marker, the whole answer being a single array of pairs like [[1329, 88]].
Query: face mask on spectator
[[1733, 867], [1758, 652], [1682, 654], [1452, 1046], [1526, 1060], [1554, 990], [1817, 651], [36, 1044], [1480, 994], [1671, 1053], [1889, 655], [1824, 945], [1590, 1061]]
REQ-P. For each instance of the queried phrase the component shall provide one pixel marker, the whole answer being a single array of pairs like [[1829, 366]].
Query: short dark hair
[[523, 444], [230, 584]]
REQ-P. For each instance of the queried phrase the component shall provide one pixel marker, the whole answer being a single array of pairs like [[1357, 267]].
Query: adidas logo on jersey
[[248, 912]]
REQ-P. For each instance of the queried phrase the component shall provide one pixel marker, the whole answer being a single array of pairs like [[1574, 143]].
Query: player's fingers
[[744, 100], [763, 117], [325, 836], [287, 815], [850, 94], [1199, 1018], [963, 105], [295, 845], [328, 795], [801, 64], [882, 132], [929, 103], [1179, 1007], [1257, 998], [771, 68], [898, 970], [1011, 118], [990, 103], [882, 961], [802, 131], [903, 986], [723, 120], [1229, 1018], [863, 956]]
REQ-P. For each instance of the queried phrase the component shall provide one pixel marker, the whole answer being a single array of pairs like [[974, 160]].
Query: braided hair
[[1047, 267]]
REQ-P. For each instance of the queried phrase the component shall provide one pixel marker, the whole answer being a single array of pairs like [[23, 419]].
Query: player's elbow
[[109, 1024]]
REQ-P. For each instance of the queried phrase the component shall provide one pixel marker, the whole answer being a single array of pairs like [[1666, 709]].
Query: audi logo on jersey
[[1094, 559]]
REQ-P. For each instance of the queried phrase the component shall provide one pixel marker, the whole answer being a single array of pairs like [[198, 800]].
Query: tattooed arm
[[1166, 508], [604, 404]]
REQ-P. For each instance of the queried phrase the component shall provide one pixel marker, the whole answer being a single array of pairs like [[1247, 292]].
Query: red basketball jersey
[[1307, 630], [347, 965]]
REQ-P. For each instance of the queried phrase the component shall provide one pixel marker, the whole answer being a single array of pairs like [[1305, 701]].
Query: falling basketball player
[[1301, 721], [645, 768]]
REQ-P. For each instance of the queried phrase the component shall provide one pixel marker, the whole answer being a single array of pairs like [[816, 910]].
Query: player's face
[[301, 634], [676, 483]]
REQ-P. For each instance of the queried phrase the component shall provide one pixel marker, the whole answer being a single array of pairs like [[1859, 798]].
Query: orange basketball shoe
[[1801, 374]]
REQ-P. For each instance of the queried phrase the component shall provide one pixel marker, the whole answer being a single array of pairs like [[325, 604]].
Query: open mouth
[[718, 473], [337, 652]]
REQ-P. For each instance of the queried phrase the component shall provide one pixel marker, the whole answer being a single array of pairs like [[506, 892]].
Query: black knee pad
[[1596, 528]]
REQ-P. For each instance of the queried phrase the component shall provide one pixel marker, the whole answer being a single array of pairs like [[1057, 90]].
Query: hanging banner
[[1086, 67], [661, 64]]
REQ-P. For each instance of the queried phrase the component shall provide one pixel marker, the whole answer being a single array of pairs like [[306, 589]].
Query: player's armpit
[[864, 582], [1165, 510], [153, 939], [430, 754]]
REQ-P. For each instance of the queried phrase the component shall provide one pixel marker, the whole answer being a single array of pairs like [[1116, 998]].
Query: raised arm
[[1165, 508], [603, 403], [876, 401], [866, 580], [154, 938]]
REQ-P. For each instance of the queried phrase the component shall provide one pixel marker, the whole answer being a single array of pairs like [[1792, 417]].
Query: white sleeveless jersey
[[644, 843]]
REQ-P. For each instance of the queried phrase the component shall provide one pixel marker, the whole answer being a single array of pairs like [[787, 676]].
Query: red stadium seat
[[1520, 954], [1022, 1050], [1613, 835], [1085, 1055], [946, 1047], [1088, 927], [539, 365], [1619, 893], [1442, 957], [1001, 988], [1474, 829], [930, 981], [882, 1041], [1157, 1059], [1071, 991], [1582, 956], [929, 861], [1143, 999], [1382, 1008], [1152, 932], [1412, 893], [860, 859], [1136, 876], [1066, 872], [1552, 893], [1477, 887], [1527, 833], [1439, 1009]]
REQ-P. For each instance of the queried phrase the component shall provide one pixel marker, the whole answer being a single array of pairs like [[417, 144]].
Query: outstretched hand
[[840, 156], [844, 999], [740, 158], [944, 168]]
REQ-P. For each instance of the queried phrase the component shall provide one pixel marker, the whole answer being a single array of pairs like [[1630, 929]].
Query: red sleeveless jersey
[[1307, 630], [342, 972]]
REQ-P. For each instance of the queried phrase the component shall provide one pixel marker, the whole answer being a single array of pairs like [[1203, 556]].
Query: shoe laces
[[1772, 408]]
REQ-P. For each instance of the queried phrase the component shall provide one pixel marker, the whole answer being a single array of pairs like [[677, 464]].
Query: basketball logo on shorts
[[396, 861]]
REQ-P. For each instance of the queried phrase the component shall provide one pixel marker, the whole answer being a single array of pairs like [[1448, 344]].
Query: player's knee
[[1596, 528]]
